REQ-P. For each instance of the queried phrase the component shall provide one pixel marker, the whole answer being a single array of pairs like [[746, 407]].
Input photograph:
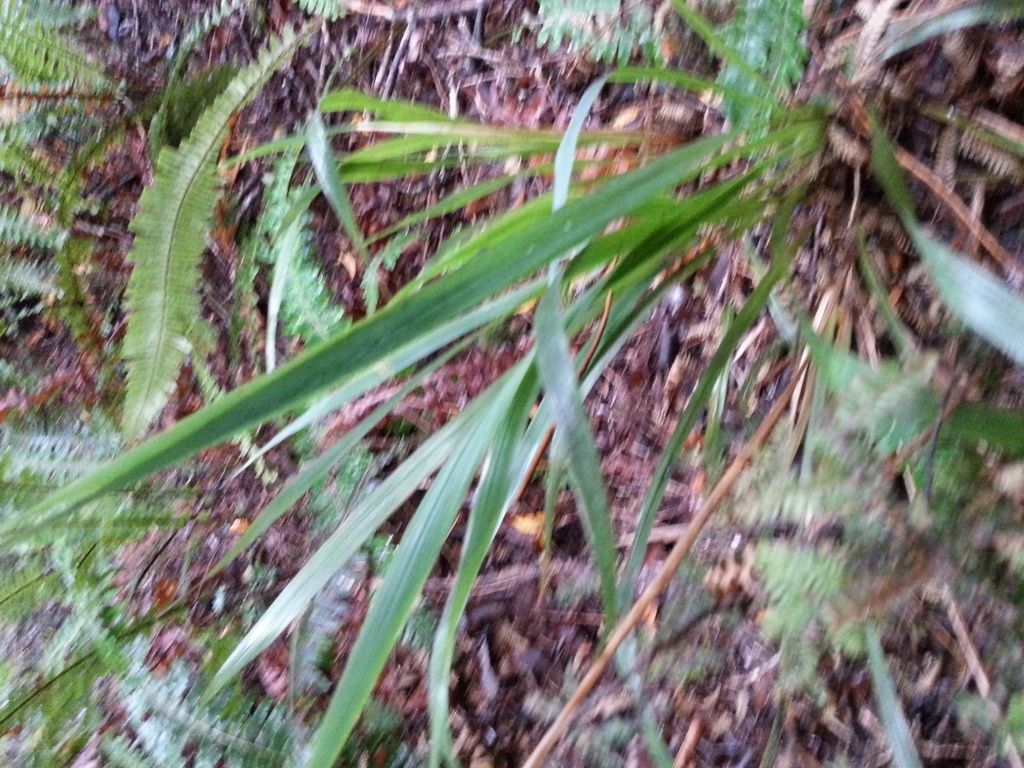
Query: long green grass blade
[[416, 555], [365, 347], [744, 320], [372, 511], [905, 34], [566, 153], [404, 356], [509, 457], [350, 100], [475, 140], [286, 247], [379, 504], [406, 153], [327, 174], [448, 204], [904, 753], [688, 82], [577, 440], [313, 471]]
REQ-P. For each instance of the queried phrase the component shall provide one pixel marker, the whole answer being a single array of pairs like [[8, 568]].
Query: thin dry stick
[[661, 580], [689, 744], [974, 664], [974, 227], [423, 12]]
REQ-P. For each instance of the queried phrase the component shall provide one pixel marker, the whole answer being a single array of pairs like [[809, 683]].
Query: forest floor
[[709, 674]]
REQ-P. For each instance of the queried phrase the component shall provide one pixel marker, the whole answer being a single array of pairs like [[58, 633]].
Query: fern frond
[[15, 159], [314, 637], [31, 50], [308, 309], [326, 9], [55, 455], [25, 586], [306, 306], [299, 294], [606, 30], [51, 711], [17, 229], [769, 35], [170, 723], [27, 278], [171, 227]]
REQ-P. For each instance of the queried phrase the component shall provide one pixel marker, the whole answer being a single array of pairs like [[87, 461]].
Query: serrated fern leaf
[[327, 9], [299, 295], [606, 30], [15, 159], [24, 587], [18, 229], [309, 311], [55, 455], [314, 637], [27, 278], [174, 218], [31, 50], [769, 36], [169, 722], [47, 712], [307, 308]]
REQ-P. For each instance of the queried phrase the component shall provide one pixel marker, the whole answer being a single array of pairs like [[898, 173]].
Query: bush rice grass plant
[[485, 276], [494, 435]]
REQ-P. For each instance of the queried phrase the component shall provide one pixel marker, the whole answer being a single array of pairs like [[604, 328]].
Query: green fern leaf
[[31, 50], [27, 278], [57, 454], [25, 586], [606, 30], [174, 218], [769, 35], [169, 723], [326, 9], [18, 229], [17, 160], [61, 708]]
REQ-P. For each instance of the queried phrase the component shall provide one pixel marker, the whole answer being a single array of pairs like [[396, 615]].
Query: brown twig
[[661, 580], [422, 12], [974, 665], [685, 753], [975, 228]]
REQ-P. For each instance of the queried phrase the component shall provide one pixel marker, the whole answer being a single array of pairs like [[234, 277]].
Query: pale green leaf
[[330, 181]]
